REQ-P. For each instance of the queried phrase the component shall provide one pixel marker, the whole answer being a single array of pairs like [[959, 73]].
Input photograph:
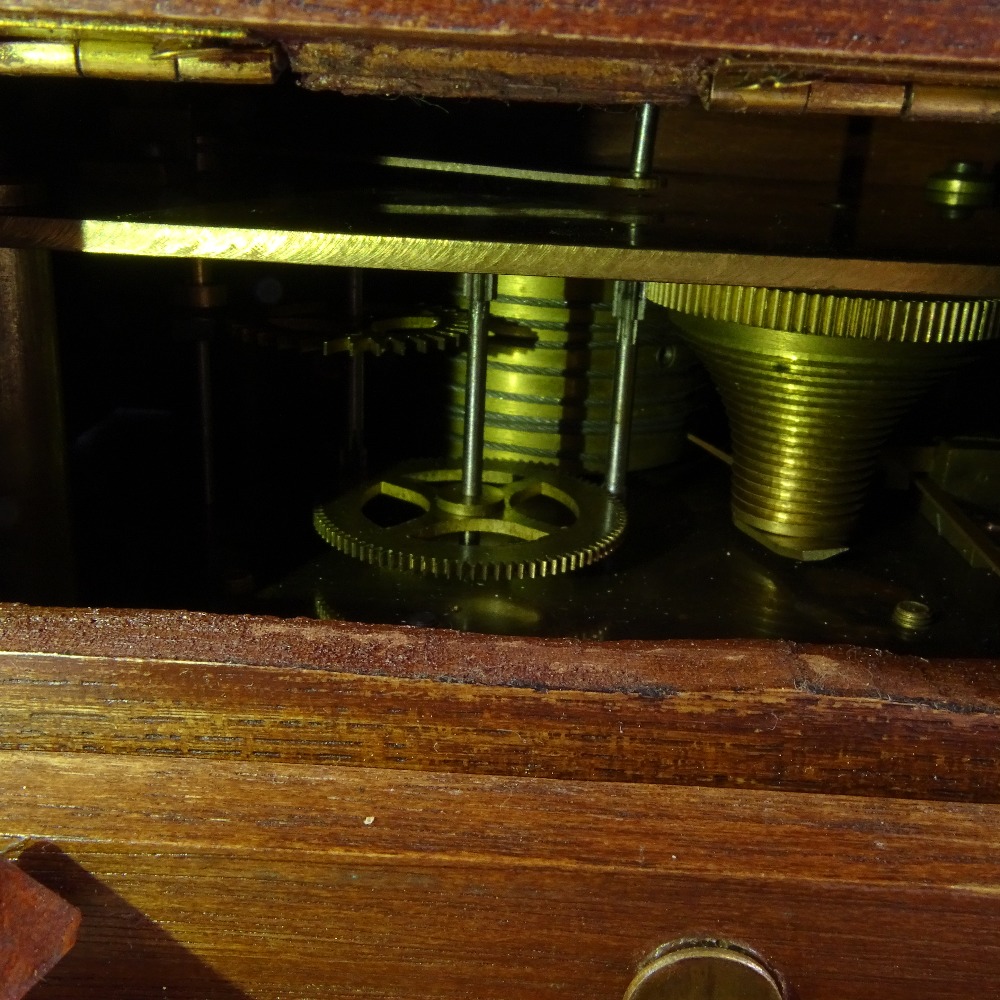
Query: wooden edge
[[37, 928], [606, 52], [634, 667], [760, 715], [913, 30]]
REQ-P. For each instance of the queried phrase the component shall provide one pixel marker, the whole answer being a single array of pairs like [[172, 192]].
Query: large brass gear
[[530, 521], [886, 318]]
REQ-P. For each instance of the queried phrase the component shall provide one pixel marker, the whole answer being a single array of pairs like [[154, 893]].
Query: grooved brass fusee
[[813, 385]]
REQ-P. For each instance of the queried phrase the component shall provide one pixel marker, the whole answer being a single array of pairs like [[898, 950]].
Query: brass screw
[[911, 615]]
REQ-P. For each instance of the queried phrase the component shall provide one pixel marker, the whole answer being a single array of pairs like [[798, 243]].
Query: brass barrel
[[549, 378]]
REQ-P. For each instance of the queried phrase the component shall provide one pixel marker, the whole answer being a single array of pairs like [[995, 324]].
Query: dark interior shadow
[[119, 952]]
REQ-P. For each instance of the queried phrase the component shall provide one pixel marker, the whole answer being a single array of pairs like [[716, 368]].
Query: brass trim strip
[[138, 57]]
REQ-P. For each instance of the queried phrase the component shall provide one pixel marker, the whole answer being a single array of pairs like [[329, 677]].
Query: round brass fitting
[[704, 971], [912, 616], [960, 189]]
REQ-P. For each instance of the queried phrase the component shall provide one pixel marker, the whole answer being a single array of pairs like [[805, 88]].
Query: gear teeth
[[905, 320], [420, 332], [546, 558]]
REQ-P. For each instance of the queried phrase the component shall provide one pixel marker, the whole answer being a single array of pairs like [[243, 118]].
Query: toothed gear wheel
[[307, 332], [926, 320], [530, 521]]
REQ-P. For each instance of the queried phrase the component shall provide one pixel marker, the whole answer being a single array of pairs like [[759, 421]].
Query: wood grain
[[602, 51], [389, 66], [507, 70], [37, 928], [878, 29], [312, 881], [640, 667], [759, 715]]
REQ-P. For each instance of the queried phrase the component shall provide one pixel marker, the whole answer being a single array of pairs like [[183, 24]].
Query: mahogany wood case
[[247, 807]]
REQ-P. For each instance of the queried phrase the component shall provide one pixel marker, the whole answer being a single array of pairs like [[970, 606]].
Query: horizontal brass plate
[[421, 253]]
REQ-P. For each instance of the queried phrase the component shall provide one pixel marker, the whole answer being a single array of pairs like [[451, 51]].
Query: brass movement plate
[[344, 246]]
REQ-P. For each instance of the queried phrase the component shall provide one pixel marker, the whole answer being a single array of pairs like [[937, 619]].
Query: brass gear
[[308, 332], [914, 321], [529, 522]]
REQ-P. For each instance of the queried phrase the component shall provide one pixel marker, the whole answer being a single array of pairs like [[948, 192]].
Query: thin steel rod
[[628, 297], [479, 290], [644, 141], [356, 377], [628, 306]]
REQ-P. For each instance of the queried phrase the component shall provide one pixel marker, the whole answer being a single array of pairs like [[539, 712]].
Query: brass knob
[[704, 972]]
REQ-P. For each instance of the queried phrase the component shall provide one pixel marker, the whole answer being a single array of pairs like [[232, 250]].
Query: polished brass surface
[[968, 468], [34, 25], [521, 173], [707, 971], [808, 415], [135, 57], [883, 318], [583, 259], [961, 188], [741, 87], [953, 522], [912, 615], [729, 585], [549, 378], [468, 610], [527, 522]]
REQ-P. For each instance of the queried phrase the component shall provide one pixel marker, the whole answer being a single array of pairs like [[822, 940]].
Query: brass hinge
[[169, 59], [742, 88]]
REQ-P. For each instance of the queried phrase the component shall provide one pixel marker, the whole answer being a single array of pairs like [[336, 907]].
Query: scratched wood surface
[[759, 714], [37, 928], [877, 29], [270, 880], [601, 51]]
